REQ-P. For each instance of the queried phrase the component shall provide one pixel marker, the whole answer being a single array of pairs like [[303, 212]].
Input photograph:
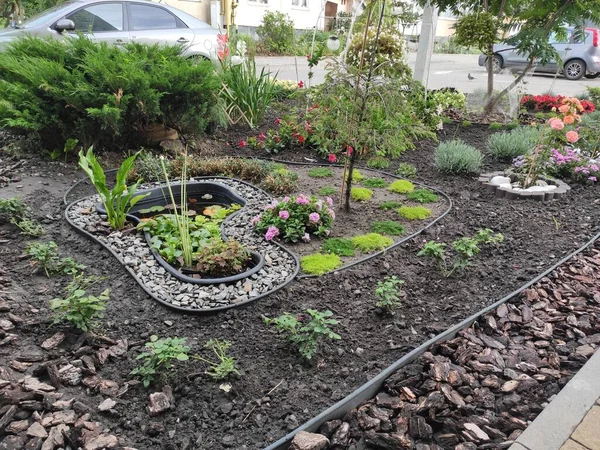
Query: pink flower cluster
[[314, 217], [271, 233], [302, 199], [284, 214], [556, 124]]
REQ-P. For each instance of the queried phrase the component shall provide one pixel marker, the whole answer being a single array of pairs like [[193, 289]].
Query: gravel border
[[281, 266]]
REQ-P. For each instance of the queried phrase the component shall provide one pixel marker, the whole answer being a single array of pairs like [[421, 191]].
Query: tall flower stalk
[[181, 217]]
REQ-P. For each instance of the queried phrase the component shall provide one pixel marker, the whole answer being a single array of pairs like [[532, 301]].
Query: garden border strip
[[292, 163], [167, 304], [371, 387]]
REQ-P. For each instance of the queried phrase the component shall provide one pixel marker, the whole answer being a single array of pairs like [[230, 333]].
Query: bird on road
[[470, 77]]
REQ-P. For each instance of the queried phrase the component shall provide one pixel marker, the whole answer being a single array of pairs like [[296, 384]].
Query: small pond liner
[[148, 291], [373, 386]]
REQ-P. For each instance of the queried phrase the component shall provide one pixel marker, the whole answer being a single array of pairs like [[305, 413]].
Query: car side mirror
[[64, 25]]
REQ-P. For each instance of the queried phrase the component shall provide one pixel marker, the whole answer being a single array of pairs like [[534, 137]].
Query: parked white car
[[120, 22]]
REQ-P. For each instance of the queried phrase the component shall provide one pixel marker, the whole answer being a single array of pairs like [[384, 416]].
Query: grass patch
[[401, 187], [414, 212], [318, 263], [359, 194], [389, 204], [422, 196], [388, 227], [327, 190], [367, 243], [374, 183], [339, 246], [320, 172]]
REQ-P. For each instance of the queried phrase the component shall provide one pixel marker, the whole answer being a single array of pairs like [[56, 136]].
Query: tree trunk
[[490, 80], [494, 101]]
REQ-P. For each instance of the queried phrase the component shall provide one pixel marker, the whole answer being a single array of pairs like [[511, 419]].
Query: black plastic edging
[[373, 386], [167, 304]]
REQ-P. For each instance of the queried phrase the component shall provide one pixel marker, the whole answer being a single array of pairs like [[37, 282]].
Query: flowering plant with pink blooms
[[295, 218]]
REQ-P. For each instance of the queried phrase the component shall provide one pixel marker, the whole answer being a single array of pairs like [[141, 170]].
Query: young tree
[[481, 21]]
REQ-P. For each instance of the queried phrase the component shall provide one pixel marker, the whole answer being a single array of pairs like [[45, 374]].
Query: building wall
[[199, 9], [249, 13]]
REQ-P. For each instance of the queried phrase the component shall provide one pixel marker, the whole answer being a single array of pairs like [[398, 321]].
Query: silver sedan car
[[120, 22]]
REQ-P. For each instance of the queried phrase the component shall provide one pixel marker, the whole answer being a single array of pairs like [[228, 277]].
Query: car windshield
[[46, 16]]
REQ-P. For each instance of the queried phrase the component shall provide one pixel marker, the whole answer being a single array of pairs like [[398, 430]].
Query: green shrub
[[422, 196], [389, 204], [320, 172], [374, 182], [100, 94], [378, 162], [247, 93], [406, 170], [414, 212], [387, 227], [339, 246], [456, 157], [361, 194], [401, 187], [509, 145], [276, 33], [19, 214], [78, 307], [327, 190], [388, 293], [390, 56], [222, 258], [367, 243], [318, 263]]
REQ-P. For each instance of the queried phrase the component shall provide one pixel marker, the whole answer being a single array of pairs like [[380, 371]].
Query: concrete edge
[[555, 424]]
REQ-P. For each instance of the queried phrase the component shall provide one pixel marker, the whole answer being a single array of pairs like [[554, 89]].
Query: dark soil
[[205, 417]]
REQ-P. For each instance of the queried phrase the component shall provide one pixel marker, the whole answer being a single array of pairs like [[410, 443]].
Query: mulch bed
[[276, 391], [481, 389]]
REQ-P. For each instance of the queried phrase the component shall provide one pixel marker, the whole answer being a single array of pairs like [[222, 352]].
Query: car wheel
[[591, 76], [497, 63], [574, 69]]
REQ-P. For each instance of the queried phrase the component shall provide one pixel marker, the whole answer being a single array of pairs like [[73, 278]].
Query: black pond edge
[[292, 163], [150, 293], [373, 386]]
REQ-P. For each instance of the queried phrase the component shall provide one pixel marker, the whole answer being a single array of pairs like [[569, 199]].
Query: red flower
[[242, 143], [278, 121], [300, 84], [301, 139], [331, 158], [277, 139], [350, 150], [307, 126], [262, 136]]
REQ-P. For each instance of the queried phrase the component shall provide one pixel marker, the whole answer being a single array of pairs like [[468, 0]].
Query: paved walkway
[[572, 420]]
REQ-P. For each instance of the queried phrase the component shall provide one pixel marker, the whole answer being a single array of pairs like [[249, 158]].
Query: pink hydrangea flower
[[285, 199], [329, 201], [271, 233], [302, 200], [306, 237], [255, 220], [314, 217], [594, 179], [284, 214], [572, 136]]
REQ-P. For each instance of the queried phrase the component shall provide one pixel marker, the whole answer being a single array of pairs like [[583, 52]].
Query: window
[[300, 3], [260, 2], [98, 18], [144, 17]]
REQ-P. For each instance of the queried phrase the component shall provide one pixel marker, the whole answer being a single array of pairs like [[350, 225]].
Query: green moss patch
[[422, 196], [320, 172], [374, 183], [401, 187], [388, 227], [339, 246], [318, 263], [389, 204], [367, 243], [327, 190], [414, 212], [359, 194], [357, 176]]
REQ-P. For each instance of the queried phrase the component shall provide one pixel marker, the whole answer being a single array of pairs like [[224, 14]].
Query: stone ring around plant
[[278, 266], [506, 186]]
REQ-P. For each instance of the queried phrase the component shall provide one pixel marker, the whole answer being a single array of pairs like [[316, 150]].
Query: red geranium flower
[[300, 84], [262, 136], [331, 158], [301, 139], [242, 143]]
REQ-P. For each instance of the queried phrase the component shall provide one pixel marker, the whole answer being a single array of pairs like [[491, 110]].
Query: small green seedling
[[159, 357], [19, 214], [45, 255], [225, 366], [406, 170], [388, 293], [488, 237], [306, 336], [79, 308]]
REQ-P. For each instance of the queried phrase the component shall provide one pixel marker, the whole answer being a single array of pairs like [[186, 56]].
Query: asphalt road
[[445, 71]]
